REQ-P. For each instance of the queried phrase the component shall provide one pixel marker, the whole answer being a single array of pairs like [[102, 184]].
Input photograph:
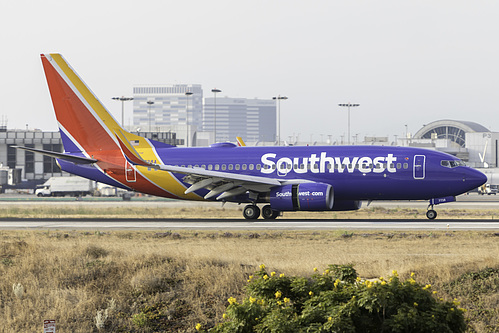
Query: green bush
[[337, 300]]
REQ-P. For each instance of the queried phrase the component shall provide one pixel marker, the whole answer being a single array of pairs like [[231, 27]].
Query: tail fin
[[85, 124]]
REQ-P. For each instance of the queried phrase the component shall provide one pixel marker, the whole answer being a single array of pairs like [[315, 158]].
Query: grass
[[215, 211], [170, 281]]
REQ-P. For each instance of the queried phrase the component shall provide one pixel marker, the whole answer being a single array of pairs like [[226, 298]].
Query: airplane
[[282, 178]]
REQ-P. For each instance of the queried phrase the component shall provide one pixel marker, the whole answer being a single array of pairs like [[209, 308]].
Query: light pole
[[188, 94], [122, 99], [278, 98], [348, 105], [150, 104], [215, 91]]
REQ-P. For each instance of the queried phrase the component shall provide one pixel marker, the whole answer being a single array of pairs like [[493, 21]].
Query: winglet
[[240, 141]]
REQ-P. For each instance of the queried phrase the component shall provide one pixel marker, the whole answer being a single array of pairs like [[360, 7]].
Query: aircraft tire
[[431, 214], [268, 213], [251, 212]]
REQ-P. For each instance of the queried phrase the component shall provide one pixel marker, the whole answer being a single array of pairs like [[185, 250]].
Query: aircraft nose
[[475, 178]]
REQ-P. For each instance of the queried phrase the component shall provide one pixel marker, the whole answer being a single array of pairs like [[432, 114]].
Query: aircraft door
[[419, 166], [130, 173]]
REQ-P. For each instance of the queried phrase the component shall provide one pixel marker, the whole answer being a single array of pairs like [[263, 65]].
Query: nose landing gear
[[431, 214]]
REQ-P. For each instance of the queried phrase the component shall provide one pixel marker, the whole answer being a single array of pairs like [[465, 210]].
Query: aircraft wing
[[222, 185]]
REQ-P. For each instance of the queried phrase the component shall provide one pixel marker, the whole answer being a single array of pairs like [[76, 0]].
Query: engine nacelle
[[306, 196], [343, 205]]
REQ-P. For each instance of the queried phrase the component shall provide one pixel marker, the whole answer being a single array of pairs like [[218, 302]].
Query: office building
[[162, 108], [252, 119]]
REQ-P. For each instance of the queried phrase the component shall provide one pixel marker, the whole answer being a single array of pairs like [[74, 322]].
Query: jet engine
[[343, 205], [306, 196]]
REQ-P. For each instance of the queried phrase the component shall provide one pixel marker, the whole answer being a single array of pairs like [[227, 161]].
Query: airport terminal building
[[471, 142]]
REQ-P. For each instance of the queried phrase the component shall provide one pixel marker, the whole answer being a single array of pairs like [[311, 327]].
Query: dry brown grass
[[215, 211], [186, 277]]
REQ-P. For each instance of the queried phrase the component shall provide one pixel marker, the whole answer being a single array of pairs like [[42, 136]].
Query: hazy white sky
[[405, 62]]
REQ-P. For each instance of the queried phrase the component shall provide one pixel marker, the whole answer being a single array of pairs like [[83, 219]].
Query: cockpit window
[[451, 163]]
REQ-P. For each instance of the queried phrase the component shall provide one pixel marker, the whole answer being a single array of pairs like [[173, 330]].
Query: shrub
[[337, 300]]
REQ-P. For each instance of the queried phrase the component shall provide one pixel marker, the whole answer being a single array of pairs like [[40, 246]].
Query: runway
[[473, 202], [207, 224]]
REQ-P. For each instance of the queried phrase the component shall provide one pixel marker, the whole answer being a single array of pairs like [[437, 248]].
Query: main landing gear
[[252, 212]]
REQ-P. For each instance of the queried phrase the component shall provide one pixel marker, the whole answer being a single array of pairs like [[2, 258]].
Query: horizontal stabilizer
[[62, 156]]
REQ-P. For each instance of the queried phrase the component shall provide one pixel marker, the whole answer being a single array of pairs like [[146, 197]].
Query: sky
[[405, 62]]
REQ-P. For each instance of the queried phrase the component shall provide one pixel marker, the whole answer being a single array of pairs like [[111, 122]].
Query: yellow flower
[[315, 269], [381, 278], [231, 300], [428, 286], [330, 318], [394, 273], [326, 271], [272, 274], [456, 302], [383, 283], [281, 275], [198, 327], [265, 277], [252, 299], [262, 266], [452, 309], [224, 316], [251, 277], [286, 300], [412, 274], [279, 303], [415, 304], [278, 294], [434, 292], [311, 293], [358, 279]]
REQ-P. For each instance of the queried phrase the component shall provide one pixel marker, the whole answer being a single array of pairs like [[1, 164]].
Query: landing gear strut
[[251, 212]]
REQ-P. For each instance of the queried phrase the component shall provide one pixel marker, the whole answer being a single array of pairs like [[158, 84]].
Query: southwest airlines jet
[[329, 178]]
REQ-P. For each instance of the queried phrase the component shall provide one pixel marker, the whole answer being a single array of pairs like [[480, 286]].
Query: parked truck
[[487, 189], [62, 186]]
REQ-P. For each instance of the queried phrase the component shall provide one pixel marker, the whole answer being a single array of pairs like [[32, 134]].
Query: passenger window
[[258, 166], [399, 165], [217, 167], [244, 166], [230, 167], [251, 167], [210, 167], [406, 165], [224, 167]]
